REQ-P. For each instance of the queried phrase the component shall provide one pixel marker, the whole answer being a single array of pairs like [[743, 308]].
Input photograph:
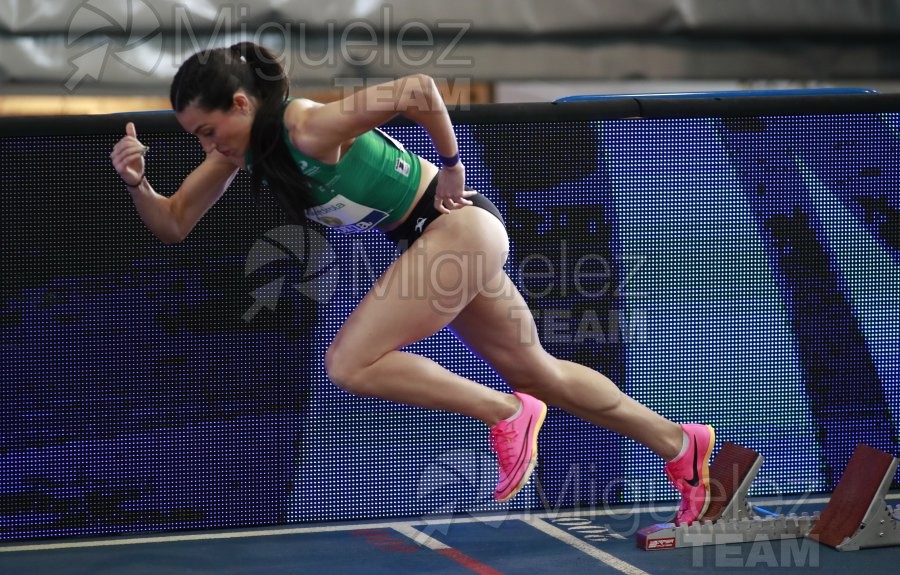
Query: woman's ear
[[242, 103]]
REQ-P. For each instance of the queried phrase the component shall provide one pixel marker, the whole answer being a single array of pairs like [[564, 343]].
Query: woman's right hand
[[128, 157]]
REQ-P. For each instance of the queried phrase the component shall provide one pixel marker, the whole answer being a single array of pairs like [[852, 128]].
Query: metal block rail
[[857, 515], [730, 517]]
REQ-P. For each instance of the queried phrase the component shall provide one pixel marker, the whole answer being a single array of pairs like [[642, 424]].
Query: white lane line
[[194, 537], [112, 541], [420, 537], [526, 516], [139, 540], [584, 547], [466, 561]]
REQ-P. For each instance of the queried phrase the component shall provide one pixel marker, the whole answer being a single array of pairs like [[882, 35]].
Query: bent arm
[[172, 218], [319, 129]]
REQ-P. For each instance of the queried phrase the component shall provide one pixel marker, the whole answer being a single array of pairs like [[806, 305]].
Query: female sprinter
[[329, 163]]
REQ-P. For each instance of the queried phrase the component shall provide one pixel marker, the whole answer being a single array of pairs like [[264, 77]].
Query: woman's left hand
[[451, 193]]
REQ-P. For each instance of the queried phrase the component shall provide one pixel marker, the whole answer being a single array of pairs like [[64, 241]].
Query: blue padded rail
[[725, 94]]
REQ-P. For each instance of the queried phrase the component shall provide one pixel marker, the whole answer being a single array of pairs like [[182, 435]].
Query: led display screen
[[742, 272]]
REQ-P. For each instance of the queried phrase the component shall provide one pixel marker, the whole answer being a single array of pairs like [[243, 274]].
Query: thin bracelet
[[141, 181], [449, 162]]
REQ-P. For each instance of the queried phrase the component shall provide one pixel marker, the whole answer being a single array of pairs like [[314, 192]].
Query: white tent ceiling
[[97, 44]]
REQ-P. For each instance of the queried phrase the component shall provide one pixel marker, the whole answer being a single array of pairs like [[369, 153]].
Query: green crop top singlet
[[374, 183]]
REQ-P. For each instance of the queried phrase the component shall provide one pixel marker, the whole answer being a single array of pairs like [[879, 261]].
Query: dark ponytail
[[210, 79]]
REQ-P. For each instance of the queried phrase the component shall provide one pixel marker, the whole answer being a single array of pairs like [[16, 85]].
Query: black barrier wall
[[728, 260]]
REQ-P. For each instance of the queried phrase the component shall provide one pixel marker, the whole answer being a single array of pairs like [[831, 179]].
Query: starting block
[[857, 515], [730, 517]]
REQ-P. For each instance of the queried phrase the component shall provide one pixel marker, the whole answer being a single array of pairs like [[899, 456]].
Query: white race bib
[[346, 216]]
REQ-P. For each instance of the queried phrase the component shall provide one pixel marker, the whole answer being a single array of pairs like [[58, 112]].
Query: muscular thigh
[[499, 327], [426, 287]]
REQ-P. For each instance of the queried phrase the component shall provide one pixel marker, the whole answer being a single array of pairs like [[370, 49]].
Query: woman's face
[[227, 133]]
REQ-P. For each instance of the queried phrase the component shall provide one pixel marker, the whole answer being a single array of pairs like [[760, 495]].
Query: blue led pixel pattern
[[741, 272]]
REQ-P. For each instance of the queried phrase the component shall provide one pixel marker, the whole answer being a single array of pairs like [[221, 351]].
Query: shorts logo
[[402, 167], [420, 225]]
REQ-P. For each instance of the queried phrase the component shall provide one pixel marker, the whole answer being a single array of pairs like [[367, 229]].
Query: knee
[[343, 371]]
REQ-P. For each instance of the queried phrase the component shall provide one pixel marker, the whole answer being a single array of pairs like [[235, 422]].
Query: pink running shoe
[[690, 473], [515, 443]]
